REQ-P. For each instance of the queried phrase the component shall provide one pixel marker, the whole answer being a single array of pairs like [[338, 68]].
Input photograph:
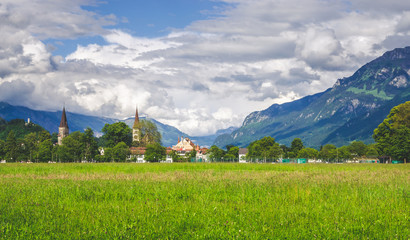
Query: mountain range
[[347, 112], [78, 122]]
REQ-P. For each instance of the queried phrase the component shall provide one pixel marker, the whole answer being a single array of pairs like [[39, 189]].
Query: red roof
[[137, 150]]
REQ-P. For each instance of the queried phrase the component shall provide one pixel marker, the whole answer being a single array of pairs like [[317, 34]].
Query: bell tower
[[63, 130], [136, 128]]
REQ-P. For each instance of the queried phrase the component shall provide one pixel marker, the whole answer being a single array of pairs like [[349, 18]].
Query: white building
[[242, 155]]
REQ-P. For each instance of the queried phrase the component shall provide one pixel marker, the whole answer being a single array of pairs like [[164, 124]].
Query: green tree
[[372, 151], [11, 147], [229, 146], [343, 153], [116, 133], [358, 148], [2, 148], [54, 138], [232, 153], [175, 156], [191, 155], [89, 144], [72, 147], [392, 136], [215, 153], [63, 153], [31, 142], [155, 152], [309, 153], [296, 146], [149, 134], [108, 155], [44, 152], [285, 150], [120, 152], [43, 135], [264, 149], [328, 152]]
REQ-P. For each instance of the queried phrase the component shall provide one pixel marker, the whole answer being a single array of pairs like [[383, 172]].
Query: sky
[[198, 65]]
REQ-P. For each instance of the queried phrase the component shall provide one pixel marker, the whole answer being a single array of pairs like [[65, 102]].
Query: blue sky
[[197, 65], [144, 19]]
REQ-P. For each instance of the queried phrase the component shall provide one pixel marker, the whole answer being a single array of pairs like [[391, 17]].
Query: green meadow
[[204, 201]]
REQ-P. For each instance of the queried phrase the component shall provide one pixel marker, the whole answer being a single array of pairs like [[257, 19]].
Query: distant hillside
[[208, 141], [78, 122], [51, 120], [19, 127], [348, 111]]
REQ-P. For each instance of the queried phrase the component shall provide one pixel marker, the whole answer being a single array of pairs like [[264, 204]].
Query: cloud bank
[[204, 77]]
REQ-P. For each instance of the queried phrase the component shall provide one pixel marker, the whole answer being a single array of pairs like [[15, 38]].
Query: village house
[[202, 155], [185, 145], [242, 155], [138, 153]]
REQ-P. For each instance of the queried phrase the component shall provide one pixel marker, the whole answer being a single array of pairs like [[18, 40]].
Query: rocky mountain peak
[[397, 54], [348, 111]]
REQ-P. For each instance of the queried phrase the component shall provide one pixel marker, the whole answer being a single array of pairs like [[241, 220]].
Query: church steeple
[[136, 128], [136, 120], [63, 130], [63, 122]]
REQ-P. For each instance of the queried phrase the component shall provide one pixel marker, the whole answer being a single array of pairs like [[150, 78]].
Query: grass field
[[204, 201]]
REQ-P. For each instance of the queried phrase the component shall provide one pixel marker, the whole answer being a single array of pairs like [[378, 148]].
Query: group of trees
[[264, 149], [176, 157], [217, 154], [330, 152], [117, 140], [268, 150], [40, 146], [34, 146], [33, 143]]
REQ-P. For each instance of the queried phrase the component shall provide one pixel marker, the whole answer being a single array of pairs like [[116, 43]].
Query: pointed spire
[[137, 119], [63, 122]]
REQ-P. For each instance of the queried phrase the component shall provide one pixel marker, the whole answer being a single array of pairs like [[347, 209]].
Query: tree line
[[41, 146], [392, 140], [268, 150], [30, 142]]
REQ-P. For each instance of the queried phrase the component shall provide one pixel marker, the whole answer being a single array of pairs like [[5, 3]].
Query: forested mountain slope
[[348, 111]]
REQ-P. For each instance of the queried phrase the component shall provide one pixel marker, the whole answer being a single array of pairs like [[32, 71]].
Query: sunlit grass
[[212, 201]]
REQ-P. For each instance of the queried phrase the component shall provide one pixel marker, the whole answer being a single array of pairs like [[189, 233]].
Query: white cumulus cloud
[[206, 76]]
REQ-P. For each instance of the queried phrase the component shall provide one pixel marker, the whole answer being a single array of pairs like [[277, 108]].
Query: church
[[139, 152], [63, 129]]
